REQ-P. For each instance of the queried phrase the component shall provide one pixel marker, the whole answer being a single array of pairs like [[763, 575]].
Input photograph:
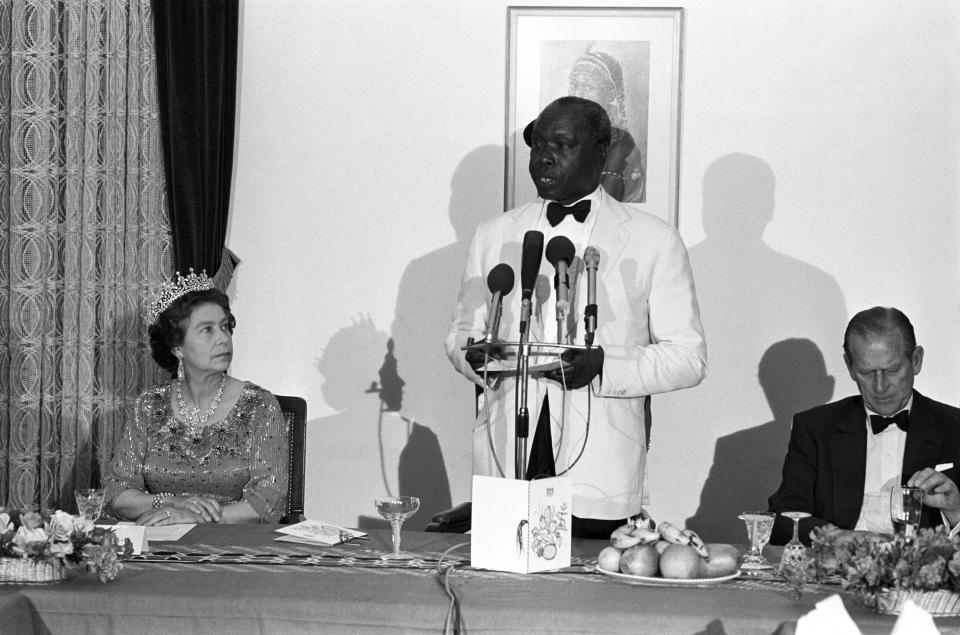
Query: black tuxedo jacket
[[826, 460]]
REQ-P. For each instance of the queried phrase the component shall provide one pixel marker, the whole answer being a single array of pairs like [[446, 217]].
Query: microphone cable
[[453, 621], [563, 416], [486, 416]]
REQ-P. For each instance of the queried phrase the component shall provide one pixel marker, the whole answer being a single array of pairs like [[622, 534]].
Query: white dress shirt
[[884, 464]]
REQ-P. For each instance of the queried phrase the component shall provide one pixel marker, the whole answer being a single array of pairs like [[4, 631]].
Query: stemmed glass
[[89, 502], [793, 561], [905, 506], [759, 525], [397, 509]]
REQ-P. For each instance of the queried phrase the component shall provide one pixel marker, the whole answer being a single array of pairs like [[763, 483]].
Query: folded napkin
[[914, 620], [829, 616]]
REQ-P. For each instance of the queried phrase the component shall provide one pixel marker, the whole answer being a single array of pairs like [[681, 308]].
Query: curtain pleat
[[83, 237], [196, 44]]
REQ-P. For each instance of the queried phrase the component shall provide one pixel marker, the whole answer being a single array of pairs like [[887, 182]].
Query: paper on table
[[168, 533], [829, 616], [136, 534], [914, 620], [317, 532], [164, 533]]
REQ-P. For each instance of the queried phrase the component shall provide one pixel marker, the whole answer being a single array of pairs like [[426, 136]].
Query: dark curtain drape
[[196, 47]]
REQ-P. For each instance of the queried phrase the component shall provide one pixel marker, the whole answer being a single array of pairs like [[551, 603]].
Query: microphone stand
[[522, 412], [522, 417]]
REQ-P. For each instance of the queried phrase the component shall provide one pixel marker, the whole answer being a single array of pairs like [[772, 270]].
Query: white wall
[[819, 176]]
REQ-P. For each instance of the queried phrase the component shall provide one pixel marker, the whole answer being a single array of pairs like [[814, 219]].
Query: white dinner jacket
[[648, 325]]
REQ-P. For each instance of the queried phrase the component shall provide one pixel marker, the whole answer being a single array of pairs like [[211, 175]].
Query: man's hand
[[480, 357], [939, 492], [579, 368]]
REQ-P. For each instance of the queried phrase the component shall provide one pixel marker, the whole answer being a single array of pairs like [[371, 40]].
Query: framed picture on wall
[[627, 59]]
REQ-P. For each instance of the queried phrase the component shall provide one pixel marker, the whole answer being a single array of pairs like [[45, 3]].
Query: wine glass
[[89, 502], [793, 561], [759, 525], [905, 506], [397, 509]]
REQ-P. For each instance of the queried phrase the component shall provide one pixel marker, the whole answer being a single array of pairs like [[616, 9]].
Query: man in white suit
[[648, 338]]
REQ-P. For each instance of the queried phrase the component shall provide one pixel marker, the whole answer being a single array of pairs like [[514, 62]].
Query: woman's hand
[[209, 510], [169, 516]]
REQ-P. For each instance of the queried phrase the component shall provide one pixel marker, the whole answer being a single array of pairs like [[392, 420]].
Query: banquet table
[[237, 579]]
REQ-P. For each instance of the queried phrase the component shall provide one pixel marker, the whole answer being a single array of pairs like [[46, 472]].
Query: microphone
[[591, 259], [529, 268], [560, 252], [500, 283]]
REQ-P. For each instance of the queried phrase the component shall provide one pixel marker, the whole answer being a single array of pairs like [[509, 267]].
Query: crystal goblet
[[397, 509], [905, 506], [759, 525], [793, 561], [89, 502]]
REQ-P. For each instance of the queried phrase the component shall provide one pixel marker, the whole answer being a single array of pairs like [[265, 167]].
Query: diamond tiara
[[170, 290]]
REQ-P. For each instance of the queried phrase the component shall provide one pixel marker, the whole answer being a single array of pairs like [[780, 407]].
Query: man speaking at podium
[[588, 416]]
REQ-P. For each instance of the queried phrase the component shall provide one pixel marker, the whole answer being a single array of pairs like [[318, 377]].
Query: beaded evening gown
[[242, 457]]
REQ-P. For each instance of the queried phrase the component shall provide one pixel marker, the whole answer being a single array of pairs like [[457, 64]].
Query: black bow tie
[[879, 424], [556, 212]]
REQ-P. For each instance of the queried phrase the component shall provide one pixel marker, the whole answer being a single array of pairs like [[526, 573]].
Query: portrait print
[[628, 59], [595, 70]]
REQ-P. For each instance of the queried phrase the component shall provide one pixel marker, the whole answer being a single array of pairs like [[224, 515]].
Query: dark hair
[[168, 331], [594, 116], [880, 321]]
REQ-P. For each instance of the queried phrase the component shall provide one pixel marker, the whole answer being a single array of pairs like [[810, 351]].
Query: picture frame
[[629, 59]]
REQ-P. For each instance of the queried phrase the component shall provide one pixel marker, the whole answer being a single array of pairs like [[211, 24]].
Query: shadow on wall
[[751, 297], [397, 396], [434, 394], [360, 452], [746, 464]]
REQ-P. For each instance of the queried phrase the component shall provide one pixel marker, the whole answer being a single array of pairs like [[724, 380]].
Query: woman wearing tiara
[[202, 447]]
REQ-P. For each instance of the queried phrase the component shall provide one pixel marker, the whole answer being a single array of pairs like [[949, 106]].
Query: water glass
[[905, 506], [89, 502], [759, 526]]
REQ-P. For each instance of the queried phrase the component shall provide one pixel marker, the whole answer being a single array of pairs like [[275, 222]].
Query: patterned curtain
[[83, 234]]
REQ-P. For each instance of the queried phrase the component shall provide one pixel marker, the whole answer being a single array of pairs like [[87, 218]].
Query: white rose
[[82, 524], [25, 537], [61, 549], [5, 523], [60, 526]]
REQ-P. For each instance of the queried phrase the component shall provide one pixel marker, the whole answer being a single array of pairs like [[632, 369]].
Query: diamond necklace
[[192, 416]]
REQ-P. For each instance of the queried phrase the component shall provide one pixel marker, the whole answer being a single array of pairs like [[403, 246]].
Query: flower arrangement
[[877, 568], [60, 540]]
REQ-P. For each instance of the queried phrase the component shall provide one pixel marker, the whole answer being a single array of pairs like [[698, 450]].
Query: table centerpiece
[[39, 549], [885, 572]]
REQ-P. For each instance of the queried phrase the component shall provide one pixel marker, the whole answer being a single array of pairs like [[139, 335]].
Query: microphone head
[[560, 248], [500, 279], [530, 262], [591, 257]]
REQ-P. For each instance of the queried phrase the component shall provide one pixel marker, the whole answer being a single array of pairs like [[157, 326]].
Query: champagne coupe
[[89, 502], [397, 509], [905, 505], [793, 562], [759, 525]]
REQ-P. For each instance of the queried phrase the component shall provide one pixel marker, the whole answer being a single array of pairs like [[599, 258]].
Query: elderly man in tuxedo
[[844, 457], [590, 418]]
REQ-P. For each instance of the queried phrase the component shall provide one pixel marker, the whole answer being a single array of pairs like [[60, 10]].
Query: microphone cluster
[[560, 253]]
